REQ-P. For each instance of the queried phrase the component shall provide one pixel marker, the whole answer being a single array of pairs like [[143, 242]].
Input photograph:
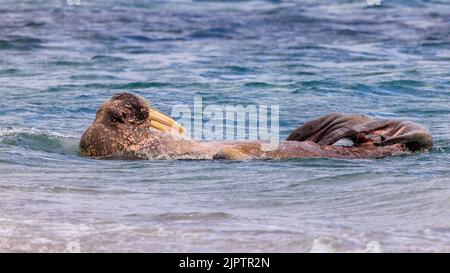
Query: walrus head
[[124, 120]]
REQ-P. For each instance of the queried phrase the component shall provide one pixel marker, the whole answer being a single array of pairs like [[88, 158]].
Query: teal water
[[58, 63]]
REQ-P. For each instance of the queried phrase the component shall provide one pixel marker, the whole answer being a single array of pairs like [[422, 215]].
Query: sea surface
[[59, 62]]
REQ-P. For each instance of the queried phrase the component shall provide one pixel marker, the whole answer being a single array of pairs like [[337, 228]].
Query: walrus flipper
[[328, 129], [414, 136]]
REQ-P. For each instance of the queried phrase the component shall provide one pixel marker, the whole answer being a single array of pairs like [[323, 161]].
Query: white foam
[[10, 130]]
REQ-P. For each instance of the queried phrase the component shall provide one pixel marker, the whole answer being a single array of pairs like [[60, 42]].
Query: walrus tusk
[[164, 123]]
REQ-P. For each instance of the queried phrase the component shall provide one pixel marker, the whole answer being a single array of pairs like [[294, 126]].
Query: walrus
[[127, 126]]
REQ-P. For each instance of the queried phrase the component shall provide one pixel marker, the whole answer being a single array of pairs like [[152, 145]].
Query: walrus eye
[[142, 114], [117, 117]]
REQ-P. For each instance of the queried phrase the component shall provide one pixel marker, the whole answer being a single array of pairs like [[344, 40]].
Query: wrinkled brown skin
[[121, 129]]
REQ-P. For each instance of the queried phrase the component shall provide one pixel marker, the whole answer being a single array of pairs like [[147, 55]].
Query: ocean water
[[59, 62]]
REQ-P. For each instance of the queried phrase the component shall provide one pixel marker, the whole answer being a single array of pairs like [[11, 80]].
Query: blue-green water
[[58, 63]]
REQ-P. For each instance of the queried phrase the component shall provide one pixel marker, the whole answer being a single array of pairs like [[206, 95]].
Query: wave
[[50, 142], [21, 43], [194, 216]]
